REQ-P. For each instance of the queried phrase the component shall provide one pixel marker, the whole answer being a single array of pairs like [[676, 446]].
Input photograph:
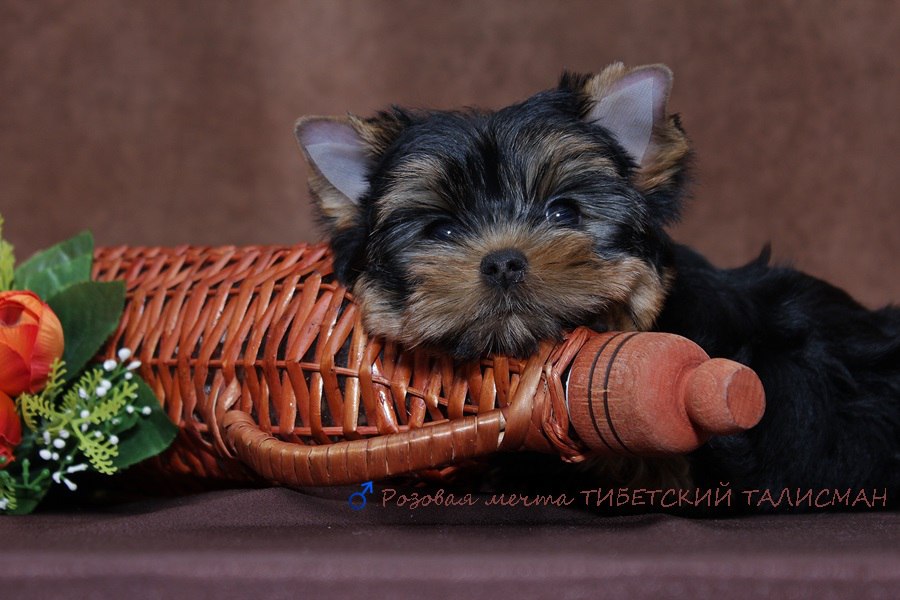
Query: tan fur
[[332, 204], [645, 300], [563, 276], [414, 184], [558, 157], [599, 85], [377, 132], [665, 157], [378, 316]]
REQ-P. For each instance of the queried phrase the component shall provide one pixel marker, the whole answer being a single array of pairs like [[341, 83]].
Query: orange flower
[[31, 338], [10, 430]]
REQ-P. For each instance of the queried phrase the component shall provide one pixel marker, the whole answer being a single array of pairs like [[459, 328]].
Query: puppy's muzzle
[[504, 268]]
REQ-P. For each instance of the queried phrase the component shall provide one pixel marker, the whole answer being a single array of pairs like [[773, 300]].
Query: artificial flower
[[31, 338]]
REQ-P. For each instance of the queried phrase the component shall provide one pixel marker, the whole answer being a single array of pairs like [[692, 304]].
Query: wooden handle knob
[[724, 397], [653, 393]]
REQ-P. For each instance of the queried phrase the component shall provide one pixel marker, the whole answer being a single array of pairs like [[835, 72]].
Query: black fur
[[830, 368]]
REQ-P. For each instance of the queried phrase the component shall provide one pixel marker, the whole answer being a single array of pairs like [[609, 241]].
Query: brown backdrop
[[164, 122]]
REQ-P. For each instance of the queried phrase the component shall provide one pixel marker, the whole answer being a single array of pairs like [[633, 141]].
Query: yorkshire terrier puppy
[[475, 232]]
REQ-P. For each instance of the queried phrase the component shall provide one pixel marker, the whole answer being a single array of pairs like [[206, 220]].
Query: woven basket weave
[[260, 358]]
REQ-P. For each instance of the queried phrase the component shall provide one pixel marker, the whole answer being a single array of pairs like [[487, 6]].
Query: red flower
[[31, 338], [10, 430]]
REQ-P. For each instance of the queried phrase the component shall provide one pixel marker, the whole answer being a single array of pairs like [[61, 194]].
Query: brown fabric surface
[[171, 122], [277, 543]]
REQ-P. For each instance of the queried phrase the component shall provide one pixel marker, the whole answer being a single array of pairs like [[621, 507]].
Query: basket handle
[[356, 461]]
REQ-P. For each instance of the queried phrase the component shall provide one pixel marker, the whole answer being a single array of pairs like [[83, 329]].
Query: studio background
[[168, 122]]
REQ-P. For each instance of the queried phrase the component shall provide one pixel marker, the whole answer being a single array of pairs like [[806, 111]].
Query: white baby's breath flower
[[77, 468], [109, 364], [101, 391], [4, 503], [114, 440], [59, 443], [124, 354], [64, 434], [58, 477], [105, 383], [146, 411], [129, 375], [82, 393], [84, 414], [133, 365], [129, 409], [45, 454]]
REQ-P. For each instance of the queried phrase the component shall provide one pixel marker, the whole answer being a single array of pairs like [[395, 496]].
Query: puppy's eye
[[564, 213], [442, 231]]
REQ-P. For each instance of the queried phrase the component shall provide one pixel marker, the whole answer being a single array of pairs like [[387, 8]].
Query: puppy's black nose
[[504, 268]]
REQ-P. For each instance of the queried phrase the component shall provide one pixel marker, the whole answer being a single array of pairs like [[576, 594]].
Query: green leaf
[[56, 268], [28, 485], [30, 488], [7, 262], [89, 313], [150, 435], [27, 501]]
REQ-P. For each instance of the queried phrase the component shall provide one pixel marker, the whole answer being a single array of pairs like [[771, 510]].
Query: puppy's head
[[476, 232]]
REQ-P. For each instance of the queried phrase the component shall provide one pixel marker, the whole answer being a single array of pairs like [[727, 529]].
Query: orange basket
[[260, 358]]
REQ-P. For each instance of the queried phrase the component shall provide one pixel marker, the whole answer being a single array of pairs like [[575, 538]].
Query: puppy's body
[[830, 368], [476, 232]]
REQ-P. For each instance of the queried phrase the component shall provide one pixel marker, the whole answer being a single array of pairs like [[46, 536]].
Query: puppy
[[475, 232]]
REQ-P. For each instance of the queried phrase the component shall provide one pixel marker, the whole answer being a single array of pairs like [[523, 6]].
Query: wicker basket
[[260, 358]]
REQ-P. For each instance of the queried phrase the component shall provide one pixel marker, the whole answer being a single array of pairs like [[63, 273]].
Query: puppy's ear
[[342, 153], [340, 160], [631, 105]]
